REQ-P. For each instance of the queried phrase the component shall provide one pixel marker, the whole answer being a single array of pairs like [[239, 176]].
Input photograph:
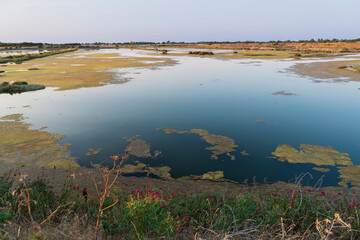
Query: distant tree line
[[75, 45]]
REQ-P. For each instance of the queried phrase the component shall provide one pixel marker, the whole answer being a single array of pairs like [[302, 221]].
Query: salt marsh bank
[[230, 119]]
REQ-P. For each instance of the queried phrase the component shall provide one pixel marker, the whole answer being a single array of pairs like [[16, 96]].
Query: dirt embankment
[[324, 47]]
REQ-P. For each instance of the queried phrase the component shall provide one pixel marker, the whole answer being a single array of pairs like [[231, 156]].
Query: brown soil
[[327, 71]]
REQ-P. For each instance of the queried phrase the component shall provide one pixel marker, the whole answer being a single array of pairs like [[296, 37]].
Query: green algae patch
[[17, 138], [244, 153], [350, 174], [140, 148], [131, 169], [220, 144], [213, 176], [92, 151], [161, 172], [14, 117], [53, 156], [314, 154], [21, 146], [324, 170]]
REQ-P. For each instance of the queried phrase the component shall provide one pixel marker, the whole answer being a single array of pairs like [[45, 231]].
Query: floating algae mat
[[317, 155], [221, 144], [214, 176], [93, 151], [321, 156], [22, 146], [140, 148], [324, 170], [164, 172], [161, 172], [350, 174]]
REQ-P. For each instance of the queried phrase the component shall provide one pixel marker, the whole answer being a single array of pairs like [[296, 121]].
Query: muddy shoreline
[[327, 71]]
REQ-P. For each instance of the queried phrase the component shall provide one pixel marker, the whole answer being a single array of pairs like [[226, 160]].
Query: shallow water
[[223, 97]]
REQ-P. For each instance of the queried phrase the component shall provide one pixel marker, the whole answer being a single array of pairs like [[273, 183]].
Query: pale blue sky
[[186, 20]]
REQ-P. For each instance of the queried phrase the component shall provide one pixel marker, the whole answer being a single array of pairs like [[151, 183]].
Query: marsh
[[94, 99]]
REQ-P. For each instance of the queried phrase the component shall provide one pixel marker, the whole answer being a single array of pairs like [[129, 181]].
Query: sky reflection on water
[[223, 97]]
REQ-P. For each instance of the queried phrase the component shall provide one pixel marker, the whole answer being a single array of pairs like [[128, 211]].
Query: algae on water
[[220, 144], [350, 174], [21, 146], [213, 176], [320, 156], [314, 154], [17, 138], [15, 117], [93, 152], [324, 170], [161, 172], [140, 148]]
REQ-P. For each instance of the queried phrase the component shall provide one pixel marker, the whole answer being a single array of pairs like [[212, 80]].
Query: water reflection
[[222, 97]]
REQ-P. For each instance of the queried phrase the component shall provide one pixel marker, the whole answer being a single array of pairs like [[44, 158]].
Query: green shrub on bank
[[147, 212]]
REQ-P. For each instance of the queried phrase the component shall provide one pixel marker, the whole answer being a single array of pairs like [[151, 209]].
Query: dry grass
[[250, 54], [68, 71]]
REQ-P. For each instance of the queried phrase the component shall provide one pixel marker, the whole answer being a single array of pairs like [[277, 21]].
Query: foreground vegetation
[[34, 209]]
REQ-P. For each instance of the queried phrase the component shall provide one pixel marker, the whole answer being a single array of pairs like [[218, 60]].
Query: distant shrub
[[200, 53], [21, 83]]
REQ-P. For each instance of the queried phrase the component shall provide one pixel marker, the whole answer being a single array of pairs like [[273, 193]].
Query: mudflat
[[76, 69], [328, 71]]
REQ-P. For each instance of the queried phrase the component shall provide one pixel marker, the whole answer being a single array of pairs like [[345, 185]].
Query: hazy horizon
[[186, 21]]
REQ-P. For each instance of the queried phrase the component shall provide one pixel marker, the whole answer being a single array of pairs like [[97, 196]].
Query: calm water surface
[[224, 97]]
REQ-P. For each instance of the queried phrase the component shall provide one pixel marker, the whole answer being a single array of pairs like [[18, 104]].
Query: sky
[[60, 21]]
